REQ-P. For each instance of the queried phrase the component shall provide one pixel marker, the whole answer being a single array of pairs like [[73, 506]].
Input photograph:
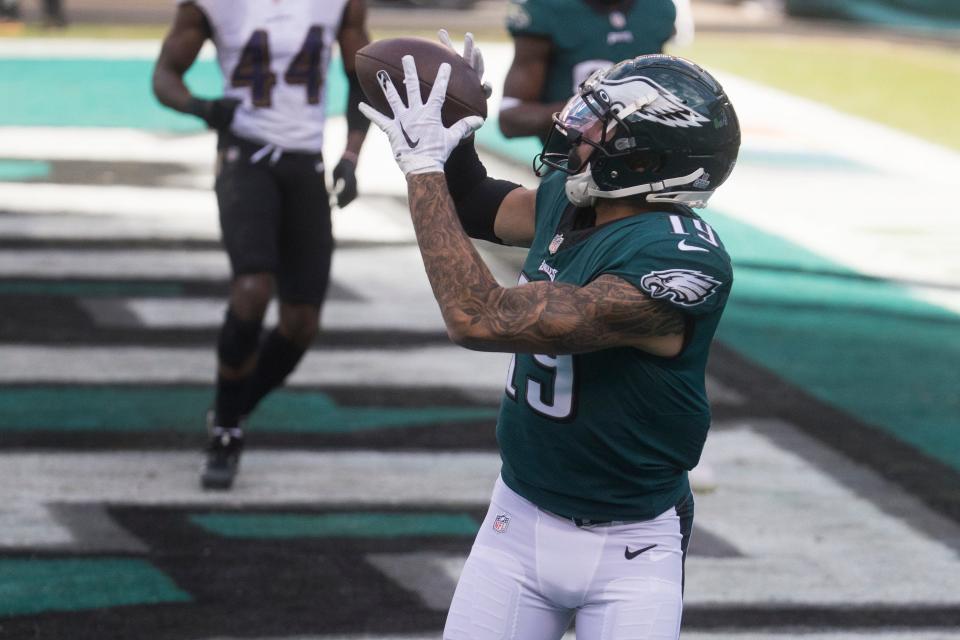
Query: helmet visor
[[582, 127], [580, 130], [582, 117]]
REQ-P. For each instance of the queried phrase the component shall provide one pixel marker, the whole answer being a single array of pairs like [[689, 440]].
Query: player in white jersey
[[274, 206]]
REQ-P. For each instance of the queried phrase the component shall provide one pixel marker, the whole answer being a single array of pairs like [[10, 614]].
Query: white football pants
[[530, 572]]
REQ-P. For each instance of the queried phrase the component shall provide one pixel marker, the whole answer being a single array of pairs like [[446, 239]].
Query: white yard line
[[433, 366], [401, 314], [119, 264], [106, 145]]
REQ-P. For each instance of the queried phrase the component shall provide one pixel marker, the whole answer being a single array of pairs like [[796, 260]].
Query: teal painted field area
[[32, 586], [124, 409], [107, 92]]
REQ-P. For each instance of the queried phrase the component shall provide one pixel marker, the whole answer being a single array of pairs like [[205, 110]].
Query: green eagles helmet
[[655, 127]]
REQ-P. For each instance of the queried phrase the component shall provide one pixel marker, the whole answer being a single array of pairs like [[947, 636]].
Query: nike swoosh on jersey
[[683, 246], [411, 143], [630, 555]]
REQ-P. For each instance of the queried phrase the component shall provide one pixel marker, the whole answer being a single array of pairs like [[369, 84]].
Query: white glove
[[471, 55], [421, 144]]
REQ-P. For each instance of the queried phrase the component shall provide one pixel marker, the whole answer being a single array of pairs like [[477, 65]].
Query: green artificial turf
[[911, 87]]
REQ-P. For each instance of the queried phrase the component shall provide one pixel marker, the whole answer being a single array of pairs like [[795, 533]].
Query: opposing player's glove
[[421, 144], [218, 114], [471, 55], [345, 181]]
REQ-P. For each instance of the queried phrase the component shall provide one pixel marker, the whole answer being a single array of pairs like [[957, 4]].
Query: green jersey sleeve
[[690, 277], [530, 18]]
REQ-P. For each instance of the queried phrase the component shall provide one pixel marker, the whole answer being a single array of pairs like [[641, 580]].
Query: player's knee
[[250, 294], [299, 323], [238, 340]]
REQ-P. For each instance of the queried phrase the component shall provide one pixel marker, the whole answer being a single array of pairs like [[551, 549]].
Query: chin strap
[[650, 187], [583, 191]]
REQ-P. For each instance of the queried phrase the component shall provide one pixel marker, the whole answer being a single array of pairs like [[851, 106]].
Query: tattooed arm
[[539, 317]]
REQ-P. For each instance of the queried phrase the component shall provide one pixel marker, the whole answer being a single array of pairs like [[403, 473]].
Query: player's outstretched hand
[[471, 55], [345, 181], [420, 142]]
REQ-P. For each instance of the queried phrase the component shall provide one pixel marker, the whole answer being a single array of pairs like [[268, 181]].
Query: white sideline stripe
[[56, 226], [115, 264], [395, 313], [433, 366], [107, 145]]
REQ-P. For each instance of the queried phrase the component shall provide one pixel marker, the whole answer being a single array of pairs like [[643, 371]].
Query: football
[[465, 95]]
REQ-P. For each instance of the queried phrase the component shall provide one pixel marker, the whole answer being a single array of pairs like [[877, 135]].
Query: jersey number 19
[[550, 395]]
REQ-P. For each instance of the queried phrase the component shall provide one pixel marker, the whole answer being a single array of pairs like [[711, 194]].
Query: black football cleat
[[223, 458]]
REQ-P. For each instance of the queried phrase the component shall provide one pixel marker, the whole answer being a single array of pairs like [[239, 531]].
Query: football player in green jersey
[[559, 43], [605, 408]]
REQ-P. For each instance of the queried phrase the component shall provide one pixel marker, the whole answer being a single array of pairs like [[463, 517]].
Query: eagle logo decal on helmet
[[667, 109], [681, 286]]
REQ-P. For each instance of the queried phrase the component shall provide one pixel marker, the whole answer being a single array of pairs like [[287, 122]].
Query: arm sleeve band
[[477, 197], [356, 121]]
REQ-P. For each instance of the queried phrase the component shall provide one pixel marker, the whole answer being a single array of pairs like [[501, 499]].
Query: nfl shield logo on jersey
[[500, 523], [555, 243]]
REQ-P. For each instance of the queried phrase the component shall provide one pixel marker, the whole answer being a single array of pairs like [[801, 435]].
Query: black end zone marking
[[258, 587], [82, 332], [806, 617], [478, 435]]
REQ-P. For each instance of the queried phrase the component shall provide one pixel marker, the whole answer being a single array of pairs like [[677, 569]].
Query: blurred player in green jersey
[[605, 408], [559, 43]]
